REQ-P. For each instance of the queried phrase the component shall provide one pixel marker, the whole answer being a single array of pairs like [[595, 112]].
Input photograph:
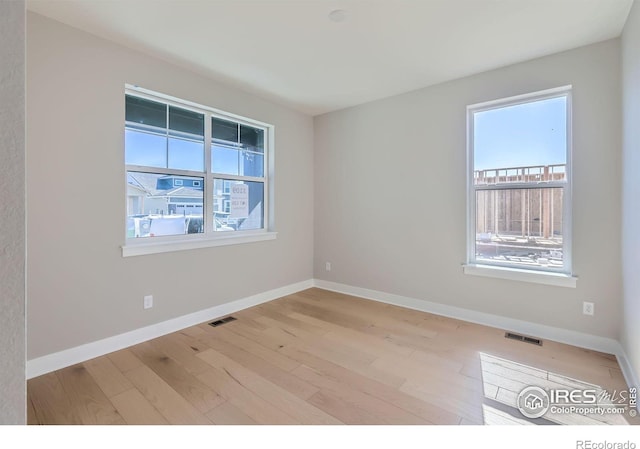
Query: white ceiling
[[289, 51]]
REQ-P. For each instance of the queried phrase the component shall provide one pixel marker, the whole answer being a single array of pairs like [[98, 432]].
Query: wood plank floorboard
[[264, 368], [258, 409], [177, 377], [282, 399], [362, 383], [51, 404], [229, 335], [124, 360], [320, 357], [109, 378], [228, 414], [136, 409], [89, 402], [175, 408]]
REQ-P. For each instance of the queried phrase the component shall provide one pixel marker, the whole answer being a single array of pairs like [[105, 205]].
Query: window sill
[[515, 274], [153, 246]]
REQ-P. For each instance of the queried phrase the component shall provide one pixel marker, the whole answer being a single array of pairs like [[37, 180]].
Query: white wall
[[12, 232], [80, 287], [630, 333], [390, 204]]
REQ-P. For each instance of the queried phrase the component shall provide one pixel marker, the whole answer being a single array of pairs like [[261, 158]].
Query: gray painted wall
[[80, 287], [12, 224], [630, 334], [390, 204]]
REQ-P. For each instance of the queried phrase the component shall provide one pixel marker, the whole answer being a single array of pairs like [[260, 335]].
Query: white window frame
[[210, 237], [544, 275]]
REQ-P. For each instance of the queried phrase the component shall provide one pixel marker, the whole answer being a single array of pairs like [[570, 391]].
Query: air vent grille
[[523, 338], [222, 321]]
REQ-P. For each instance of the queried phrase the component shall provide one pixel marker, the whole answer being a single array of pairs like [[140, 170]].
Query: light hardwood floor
[[319, 357]]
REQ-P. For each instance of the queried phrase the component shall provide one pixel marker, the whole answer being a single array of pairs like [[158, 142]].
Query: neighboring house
[[135, 199], [154, 194], [149, 194]]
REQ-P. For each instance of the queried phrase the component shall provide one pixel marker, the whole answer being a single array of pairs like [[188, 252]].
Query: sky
[[527, 134], [151, 150], [521, 135]]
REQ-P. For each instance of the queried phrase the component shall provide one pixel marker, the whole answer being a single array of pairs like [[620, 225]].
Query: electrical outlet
[[147, 302], [588, 308], [327, 266]]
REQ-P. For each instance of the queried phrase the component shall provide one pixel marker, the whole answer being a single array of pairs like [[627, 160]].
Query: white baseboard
[[582, 340], [629, 373], [68, 357]]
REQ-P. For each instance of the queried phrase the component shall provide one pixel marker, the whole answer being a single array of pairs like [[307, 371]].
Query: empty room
[[320, 212]]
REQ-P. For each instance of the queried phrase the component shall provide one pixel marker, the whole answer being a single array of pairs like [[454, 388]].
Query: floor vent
[[524, 338], [222, 321]]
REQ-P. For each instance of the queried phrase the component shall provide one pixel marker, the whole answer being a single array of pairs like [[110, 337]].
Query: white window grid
[[517, 178], [208, 175]]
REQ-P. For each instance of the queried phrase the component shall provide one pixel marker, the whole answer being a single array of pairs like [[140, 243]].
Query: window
[[519, 181], [193, 174]]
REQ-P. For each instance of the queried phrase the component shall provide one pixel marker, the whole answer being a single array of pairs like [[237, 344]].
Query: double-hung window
[[519, 183], [195, 176]]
